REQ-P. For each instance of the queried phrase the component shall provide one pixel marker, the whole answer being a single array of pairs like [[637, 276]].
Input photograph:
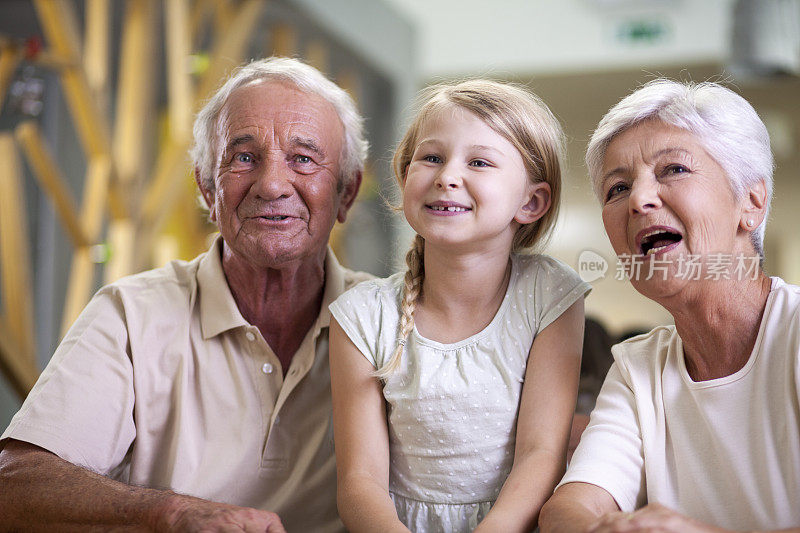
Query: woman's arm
[[543, 426], [576, 507], [361, 437]]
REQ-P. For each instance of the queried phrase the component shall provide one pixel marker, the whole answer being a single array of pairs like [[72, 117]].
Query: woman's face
[[667, 202]]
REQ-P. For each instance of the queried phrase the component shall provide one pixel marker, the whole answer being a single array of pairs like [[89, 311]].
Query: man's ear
[[348, 196], [208, 196], [754, 206], [539, 200]]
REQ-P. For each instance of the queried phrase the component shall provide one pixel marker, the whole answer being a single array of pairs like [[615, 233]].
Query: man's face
[[277, 178]]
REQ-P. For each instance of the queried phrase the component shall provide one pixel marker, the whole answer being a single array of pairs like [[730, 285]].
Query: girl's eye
[[616, 189], [478, 163], [432, 159]]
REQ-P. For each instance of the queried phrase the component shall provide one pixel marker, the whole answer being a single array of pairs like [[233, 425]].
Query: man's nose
[[645, 195], [274, 179]]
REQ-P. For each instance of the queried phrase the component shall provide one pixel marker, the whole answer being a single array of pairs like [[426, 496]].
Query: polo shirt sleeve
[[81, 408], [610, 453]]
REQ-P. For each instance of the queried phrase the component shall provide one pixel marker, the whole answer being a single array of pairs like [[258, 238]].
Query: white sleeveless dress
[[452, 408]]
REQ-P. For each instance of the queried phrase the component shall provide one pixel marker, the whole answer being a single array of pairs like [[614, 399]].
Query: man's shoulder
[[173, 282]]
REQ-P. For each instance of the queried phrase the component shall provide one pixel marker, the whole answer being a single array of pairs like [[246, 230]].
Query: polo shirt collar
[[334, 287], [218, 310]]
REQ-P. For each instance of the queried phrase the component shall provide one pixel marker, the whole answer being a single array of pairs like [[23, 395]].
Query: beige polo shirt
[[162, 383]]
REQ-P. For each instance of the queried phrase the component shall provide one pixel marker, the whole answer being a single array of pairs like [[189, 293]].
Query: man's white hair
[[206, 130]]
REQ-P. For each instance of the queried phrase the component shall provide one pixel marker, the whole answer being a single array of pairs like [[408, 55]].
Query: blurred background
[[98, 98]]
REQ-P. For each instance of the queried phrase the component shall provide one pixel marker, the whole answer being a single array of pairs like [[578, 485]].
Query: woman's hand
[[654, 518]]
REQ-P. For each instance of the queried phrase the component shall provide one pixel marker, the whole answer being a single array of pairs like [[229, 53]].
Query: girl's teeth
[[451, 208]]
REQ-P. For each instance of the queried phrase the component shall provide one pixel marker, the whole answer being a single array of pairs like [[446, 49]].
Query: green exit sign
[[642, 31]]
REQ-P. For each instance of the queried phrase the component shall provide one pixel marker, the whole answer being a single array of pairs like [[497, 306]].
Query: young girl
[[454, 383]]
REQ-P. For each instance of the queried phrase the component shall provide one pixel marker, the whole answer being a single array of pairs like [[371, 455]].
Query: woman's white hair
[[306, 78], [724, 122]]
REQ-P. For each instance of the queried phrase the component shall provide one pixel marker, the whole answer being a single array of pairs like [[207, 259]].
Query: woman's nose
[[644, 196]]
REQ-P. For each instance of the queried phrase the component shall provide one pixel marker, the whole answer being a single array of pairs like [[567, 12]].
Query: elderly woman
[[697, 426]]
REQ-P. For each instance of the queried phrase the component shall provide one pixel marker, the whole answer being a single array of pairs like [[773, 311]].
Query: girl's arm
[[543, 426], [361, 437]]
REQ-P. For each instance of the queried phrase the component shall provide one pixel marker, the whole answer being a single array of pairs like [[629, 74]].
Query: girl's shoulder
[[376, 291], [537, 266]]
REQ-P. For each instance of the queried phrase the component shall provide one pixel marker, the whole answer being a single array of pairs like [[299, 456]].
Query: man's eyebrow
[[309, 144], [236, 141]]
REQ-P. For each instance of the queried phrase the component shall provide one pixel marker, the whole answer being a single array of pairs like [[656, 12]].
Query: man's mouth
[[657, 240], [275, 217]]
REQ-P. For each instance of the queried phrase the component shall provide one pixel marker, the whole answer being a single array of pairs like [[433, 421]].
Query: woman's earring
[[750, 222]]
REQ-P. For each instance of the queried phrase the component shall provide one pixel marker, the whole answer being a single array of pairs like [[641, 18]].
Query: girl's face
[[467, 186]]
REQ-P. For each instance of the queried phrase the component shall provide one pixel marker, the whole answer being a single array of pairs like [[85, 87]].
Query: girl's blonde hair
[[520, 117]]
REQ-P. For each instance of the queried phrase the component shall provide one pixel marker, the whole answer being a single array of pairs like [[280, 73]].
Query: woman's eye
[[614, 190], [675, 169]]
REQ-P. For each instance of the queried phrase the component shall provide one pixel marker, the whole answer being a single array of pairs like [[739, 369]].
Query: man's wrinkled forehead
[[267, 104]]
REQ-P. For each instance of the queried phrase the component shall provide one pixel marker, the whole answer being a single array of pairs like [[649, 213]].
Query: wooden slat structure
[[138, 199]]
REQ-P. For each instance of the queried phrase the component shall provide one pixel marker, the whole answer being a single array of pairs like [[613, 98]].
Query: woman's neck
[[461, 293], [719, 325]]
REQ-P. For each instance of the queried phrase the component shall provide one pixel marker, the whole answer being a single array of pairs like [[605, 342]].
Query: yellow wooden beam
[[58, 21], [283, 41], [317, 55], [51, 180], [9, 59], [230, 47], [17, 367], [96, 48], [81, 276], [179, 82], [15, 265], [135, 90]]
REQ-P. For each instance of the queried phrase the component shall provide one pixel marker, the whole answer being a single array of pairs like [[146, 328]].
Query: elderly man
[[197, 396]]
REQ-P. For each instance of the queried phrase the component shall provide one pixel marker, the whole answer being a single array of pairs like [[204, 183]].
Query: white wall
[[550, 36]]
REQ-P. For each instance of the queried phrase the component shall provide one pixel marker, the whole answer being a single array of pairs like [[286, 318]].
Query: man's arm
[[41, 491]]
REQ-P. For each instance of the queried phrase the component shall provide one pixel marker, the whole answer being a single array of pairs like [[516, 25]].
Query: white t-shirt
[[724, 451], [452, 408]]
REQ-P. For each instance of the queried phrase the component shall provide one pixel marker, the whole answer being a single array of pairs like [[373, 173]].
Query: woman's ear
[[754, 206], [539, 201]]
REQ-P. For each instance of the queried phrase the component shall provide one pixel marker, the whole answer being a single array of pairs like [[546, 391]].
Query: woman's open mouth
[[657, 240]]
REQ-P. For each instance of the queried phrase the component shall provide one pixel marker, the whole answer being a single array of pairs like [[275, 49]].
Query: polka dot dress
[[452, 408]]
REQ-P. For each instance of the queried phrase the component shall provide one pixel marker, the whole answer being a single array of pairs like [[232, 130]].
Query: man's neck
[[283, 303]]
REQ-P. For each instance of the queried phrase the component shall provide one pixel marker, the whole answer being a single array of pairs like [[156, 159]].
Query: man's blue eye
[[244, 158], [302, 159]]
